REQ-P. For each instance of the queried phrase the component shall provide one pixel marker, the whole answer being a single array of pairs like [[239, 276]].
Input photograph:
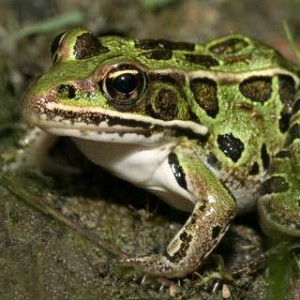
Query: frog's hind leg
[[211, 217], [279, 204]]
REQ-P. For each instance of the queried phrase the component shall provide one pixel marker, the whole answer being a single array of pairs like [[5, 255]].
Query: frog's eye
[[124, 85]]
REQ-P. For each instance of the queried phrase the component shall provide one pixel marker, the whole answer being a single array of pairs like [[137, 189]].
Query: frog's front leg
[[34, 154], [211, 217], [33, 151]]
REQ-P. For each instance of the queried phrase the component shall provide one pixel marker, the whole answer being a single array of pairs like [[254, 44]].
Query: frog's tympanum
[[211, 128]]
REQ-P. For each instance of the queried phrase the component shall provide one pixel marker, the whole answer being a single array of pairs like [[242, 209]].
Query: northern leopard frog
[[210, 128]]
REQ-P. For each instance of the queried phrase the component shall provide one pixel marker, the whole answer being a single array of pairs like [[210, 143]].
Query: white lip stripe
[[194, 127], [104, 126]]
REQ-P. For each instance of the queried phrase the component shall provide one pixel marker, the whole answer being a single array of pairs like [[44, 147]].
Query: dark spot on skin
[[231, 146], [213, 161], [194, 217], [87, 45], [206, 61], [283, 154], [229, 46], [177, 170], [165, 95], [257, 88], [265, 156], [284, 122], [287, 92], [158, 54], [178, 255], [254, 170], [205, 94], [200, 208], [216, 231], [296, 106], [148, 44], [184, 236], [66, 91], [294, 133], [165, 105], [275, 184]]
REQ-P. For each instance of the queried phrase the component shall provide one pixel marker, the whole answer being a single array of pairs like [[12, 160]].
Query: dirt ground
[[60, 238]]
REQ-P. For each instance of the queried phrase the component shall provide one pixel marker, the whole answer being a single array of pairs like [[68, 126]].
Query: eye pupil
[[125, 83]]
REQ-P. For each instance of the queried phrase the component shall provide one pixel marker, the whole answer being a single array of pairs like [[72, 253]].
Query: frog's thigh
[[279, 204], [208, 222]]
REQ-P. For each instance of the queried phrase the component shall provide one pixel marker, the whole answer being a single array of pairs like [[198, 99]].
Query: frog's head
[[110, 89]]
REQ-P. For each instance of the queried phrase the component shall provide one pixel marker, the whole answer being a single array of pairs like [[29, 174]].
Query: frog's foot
[[191, 245]]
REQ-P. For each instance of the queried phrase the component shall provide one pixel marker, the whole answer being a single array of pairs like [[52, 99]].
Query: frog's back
[[233, 53], [241, 89]]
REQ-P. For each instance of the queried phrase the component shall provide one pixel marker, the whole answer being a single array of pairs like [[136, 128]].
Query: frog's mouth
[[94, 123]]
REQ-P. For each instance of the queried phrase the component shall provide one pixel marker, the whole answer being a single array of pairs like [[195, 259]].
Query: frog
[[211, 128]]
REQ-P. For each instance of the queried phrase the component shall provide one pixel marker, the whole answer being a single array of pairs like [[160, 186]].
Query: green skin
[[221, 117]]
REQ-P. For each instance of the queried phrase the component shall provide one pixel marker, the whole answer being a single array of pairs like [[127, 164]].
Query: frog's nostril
[[66, 91]]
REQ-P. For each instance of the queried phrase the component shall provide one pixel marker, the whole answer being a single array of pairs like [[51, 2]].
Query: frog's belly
[[141, 165], [148, 168]]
